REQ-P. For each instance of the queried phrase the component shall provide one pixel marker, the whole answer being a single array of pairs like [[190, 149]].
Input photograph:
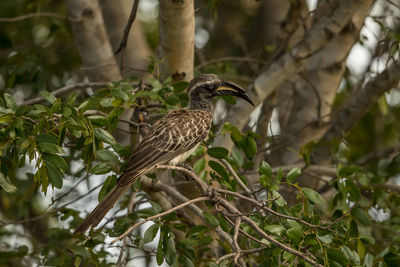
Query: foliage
[[52, 135], [50, 148]]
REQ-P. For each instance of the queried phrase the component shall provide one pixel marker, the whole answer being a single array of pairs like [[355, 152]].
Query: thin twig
[[50, 212], [127, 232], [241, 59], [40, 14], [128, 26], [214, 197], [235, 240], [243, 252], [64, 90], [272, 211], [237, 178]]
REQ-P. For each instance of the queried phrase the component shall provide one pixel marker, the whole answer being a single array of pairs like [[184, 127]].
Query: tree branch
[[127, 29], [127, 232], [40, 14]]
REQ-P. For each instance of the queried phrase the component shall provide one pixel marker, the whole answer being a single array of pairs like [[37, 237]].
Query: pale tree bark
[[294, 60], [306, 99], [92, 40], [137, 52], [359, 104], [176, 47]]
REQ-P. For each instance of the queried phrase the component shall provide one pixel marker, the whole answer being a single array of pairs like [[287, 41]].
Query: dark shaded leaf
[[10, 101], [293, 174], [211, 219], [6, 184], [48, 96], [104, 136], [56, 160], [106, 155], [360, 215], [101, 168], [150, 233], [218, 152], [313, 195], [54, 175]]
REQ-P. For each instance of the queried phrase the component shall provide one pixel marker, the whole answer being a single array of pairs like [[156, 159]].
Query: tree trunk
[[176, 50], [92, 40], [136, 54]]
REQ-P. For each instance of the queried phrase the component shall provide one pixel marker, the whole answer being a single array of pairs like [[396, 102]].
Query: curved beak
[[229, 88]]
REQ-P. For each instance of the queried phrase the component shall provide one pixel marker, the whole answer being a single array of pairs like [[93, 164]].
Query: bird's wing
[[174, 134]]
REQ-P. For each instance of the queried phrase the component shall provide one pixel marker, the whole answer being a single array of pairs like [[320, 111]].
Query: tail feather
[[95, 217]]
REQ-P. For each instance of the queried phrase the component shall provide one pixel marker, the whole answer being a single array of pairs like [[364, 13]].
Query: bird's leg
[[188, 167]]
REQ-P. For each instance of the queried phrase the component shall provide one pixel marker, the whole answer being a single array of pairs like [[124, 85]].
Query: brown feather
[[177, 132]]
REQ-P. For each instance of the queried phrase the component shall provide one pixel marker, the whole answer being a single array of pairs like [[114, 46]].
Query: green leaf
[[218, 168], [150, 233], [180, 86], [360, 215], [185, 261], [10, 101], [338, 256], [119, 94], [56, 160], [353, 190], [223, 222], [54, 175], [156, 84], [218, 152], [368, 260], [327, 239], [46, 138], [264, 180], [295, 235], [280, 201], [6, 184], [160, 252], [98, 120], [104, 136], [169, 250], [293, 174], [199, 166], [265, 169], [211, 219], [172, 100], [106, 155], [313, 195], [101, 168], [275, 229], [107, 185], [196, 231], [48, 96], [49, 148], [251, 147], [80, 251]]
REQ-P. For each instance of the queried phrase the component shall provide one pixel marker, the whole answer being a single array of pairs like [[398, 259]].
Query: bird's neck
[[201, 104]]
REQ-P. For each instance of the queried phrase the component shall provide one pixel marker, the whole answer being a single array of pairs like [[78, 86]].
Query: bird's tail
[[105, 205]]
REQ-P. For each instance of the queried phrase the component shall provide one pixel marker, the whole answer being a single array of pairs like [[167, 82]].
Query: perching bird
[[171, 139]]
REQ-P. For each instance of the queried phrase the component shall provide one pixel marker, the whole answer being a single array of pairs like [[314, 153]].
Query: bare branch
[[127, 232], [64, 90], [235, 240], [360, 103], [39, 14], [213, 195], [127, 29]]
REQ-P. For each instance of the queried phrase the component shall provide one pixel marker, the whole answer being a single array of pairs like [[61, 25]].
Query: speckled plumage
[[170, 139]]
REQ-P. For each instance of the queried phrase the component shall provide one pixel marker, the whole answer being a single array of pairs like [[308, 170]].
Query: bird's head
[[203, 88]]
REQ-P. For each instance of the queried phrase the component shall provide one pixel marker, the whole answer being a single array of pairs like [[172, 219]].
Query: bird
[[171, 139]]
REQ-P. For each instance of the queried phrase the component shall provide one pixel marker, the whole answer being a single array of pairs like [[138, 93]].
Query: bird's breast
[[182, 157]]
